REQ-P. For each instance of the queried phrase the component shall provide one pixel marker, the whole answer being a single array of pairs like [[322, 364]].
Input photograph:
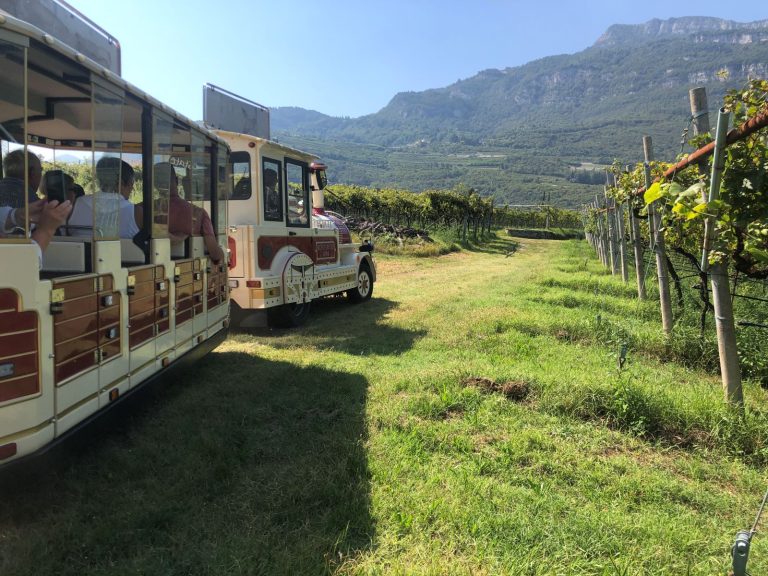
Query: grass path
[[356, 445]]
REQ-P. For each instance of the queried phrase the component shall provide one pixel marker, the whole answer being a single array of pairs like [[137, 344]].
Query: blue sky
[[349, 58]]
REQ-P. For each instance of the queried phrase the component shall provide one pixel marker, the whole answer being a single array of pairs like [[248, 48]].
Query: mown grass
[[441, 241], [385, 439], [547, 233]]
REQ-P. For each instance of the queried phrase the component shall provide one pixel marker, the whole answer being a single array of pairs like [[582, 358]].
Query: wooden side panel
[[86, 329], [189, 290], [110, 333], [79, 310], [146, 304], [19, 348], [217, 285]]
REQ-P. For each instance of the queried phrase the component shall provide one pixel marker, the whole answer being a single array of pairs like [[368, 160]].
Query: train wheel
[[364, 288], [289, 315]]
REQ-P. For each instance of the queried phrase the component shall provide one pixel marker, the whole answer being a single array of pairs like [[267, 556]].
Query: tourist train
[[127, 228]]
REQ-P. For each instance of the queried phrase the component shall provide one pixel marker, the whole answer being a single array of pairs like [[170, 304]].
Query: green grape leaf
[[759, 255], [674, 189], [694, 191], [701, 208], [653, 193]]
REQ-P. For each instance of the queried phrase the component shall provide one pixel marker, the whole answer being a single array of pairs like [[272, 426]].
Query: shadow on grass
[[494, 245], [336, 324], [244, 466]]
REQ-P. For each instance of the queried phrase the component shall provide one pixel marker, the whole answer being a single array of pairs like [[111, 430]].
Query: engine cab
[[285, 249]]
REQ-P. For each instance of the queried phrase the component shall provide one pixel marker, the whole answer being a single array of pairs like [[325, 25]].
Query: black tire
[[289, 315], [364, 288]]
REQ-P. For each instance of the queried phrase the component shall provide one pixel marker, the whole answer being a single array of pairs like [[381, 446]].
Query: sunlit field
[[471, 418]]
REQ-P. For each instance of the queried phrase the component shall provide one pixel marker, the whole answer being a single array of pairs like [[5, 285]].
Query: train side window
[[223, 189], [241, 175], [297, 186], [272, 190]]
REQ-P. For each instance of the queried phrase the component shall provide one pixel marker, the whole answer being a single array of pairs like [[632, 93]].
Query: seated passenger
[[184, 218], [113, 211], [48, 217], [272, 204], [58, 185], [242, 189], [12, 185], [75, 192]]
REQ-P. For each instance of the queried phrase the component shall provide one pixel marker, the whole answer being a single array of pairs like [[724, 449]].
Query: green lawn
[[470, 419]]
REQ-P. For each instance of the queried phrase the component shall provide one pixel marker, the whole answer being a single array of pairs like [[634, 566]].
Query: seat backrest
[[67, 255], [130, 253]]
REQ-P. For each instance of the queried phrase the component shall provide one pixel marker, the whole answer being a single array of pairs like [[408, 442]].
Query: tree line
[[462, 209]]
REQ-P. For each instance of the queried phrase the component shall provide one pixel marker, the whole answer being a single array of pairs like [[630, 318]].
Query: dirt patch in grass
[[515, 390]]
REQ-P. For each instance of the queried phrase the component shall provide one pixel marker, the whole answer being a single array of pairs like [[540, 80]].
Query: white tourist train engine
[[285, 249]]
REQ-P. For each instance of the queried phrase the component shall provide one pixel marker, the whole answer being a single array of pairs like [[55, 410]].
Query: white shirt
[[112, 209], [4, 212]]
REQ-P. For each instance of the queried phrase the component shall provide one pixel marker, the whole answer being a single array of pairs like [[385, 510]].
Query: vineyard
[[682, 226], [463, 210], [702, 225]]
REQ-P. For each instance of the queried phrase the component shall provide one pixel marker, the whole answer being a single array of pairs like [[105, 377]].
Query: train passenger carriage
[[137, 278]]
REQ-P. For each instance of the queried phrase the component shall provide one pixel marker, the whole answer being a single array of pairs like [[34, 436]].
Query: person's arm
[[214, 250], [12, 218], [209, 237], [51, 216]]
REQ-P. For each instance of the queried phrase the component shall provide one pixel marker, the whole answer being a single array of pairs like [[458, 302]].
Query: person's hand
[[49, 217], [19, 215], [35, 210], [52, 214]]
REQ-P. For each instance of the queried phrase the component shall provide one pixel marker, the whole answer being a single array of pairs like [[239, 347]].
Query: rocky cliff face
[[701, 29]]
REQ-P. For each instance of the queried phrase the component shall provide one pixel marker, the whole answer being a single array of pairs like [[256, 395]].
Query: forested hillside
[[521, 132]]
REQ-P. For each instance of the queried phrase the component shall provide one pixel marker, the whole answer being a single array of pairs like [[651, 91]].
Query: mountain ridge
[[559, 111]]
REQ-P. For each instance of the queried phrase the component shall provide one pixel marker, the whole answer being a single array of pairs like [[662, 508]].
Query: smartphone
[[55, 185]]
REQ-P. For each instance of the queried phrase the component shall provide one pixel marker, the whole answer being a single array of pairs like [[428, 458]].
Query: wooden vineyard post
[[622, 242], [601, 233], [610, 208], [721, 290], [654, 220], [596, 237], [620, 234], [699, 110], [591, 236], [637, 249], [598, 247], [700, 120]]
